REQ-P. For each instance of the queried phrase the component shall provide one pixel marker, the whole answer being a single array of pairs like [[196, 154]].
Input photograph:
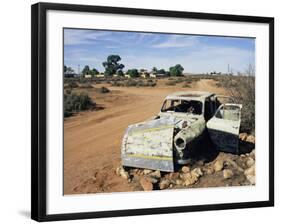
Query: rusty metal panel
[[149, 145]]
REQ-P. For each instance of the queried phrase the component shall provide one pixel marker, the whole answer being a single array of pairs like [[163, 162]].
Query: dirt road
[[92, 139]]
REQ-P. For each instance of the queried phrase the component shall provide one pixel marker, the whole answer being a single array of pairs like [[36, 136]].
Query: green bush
[[75, 102]]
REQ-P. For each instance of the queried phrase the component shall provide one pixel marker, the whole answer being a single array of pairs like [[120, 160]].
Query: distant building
[[87, 76], [144, 74], [99, 75], [70, 74], [153, 75], [127, 76]]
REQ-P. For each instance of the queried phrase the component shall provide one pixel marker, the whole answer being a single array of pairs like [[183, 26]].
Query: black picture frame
[[38, 110]]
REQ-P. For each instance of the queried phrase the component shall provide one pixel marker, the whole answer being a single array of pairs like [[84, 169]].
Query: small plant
[[186, 85], [76, 102], [86, 85], [171, 83], [103, 90]]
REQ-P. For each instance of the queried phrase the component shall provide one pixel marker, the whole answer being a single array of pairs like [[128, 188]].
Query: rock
[[209, 170], [253, 153], [218, 166], [146, 171], [251, 179], [197, 172], [250, 171], [146, 184], [189, 179], [164, 184], [250, 174], [179, 182], [124, 174], [156, 174], [250, 162], [243, 136], [173, 176], [117, 171], [185, 169], [227, 173], [234, 165], [152, 179], [251, 139]]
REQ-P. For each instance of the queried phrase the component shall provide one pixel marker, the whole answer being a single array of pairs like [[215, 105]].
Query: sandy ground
[[92, 139]]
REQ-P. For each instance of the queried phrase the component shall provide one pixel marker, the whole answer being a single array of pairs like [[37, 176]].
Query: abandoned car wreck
[[185, 122]]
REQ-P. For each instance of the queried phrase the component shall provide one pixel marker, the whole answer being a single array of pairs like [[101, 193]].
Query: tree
[[94, 72], [133, 72], [67, 69], [120, 73], [112, 65], [161, 71], [176, 70], [86, 70], [154, 70]]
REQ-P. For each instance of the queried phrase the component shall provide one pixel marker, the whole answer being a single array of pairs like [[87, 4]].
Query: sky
[[196, 53]]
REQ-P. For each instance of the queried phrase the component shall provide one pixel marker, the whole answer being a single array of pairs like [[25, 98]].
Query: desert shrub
[[72, 84], [75, 102], [135, 83], [242, 90], [131, 82], [151, 84], [86, 85], [187, 85], [103, 90], [171, 83], [116, 83]]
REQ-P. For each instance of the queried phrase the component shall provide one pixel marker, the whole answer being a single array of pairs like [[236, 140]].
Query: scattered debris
[[243, 136], [250, 162], [156, 174], [185, 169], [209, 170], [164, 184], [227, 173], [251, 139], [197, 172], [146, 171], [250, 174], [218, 165]]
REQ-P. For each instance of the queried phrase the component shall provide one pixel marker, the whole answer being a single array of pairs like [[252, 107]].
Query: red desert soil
[[92, 139]]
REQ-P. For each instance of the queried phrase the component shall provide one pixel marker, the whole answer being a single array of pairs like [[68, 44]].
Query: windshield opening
[[182, 106]]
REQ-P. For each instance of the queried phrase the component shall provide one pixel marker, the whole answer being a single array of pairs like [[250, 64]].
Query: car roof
[[194, 95]]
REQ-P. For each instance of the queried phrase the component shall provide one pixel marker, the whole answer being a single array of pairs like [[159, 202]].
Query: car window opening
[[182, 106]]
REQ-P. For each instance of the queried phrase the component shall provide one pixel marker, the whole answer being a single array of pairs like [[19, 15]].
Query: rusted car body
[[184, 121]]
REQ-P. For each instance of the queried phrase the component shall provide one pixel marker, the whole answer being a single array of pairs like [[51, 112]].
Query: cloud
[[78, 37], [175, 41]]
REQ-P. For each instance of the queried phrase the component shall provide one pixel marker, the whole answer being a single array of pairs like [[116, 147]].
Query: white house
[[152, 75], [87, 76], [100, 75]]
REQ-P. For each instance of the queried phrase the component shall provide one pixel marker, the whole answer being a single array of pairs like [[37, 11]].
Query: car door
[[224, 126]]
